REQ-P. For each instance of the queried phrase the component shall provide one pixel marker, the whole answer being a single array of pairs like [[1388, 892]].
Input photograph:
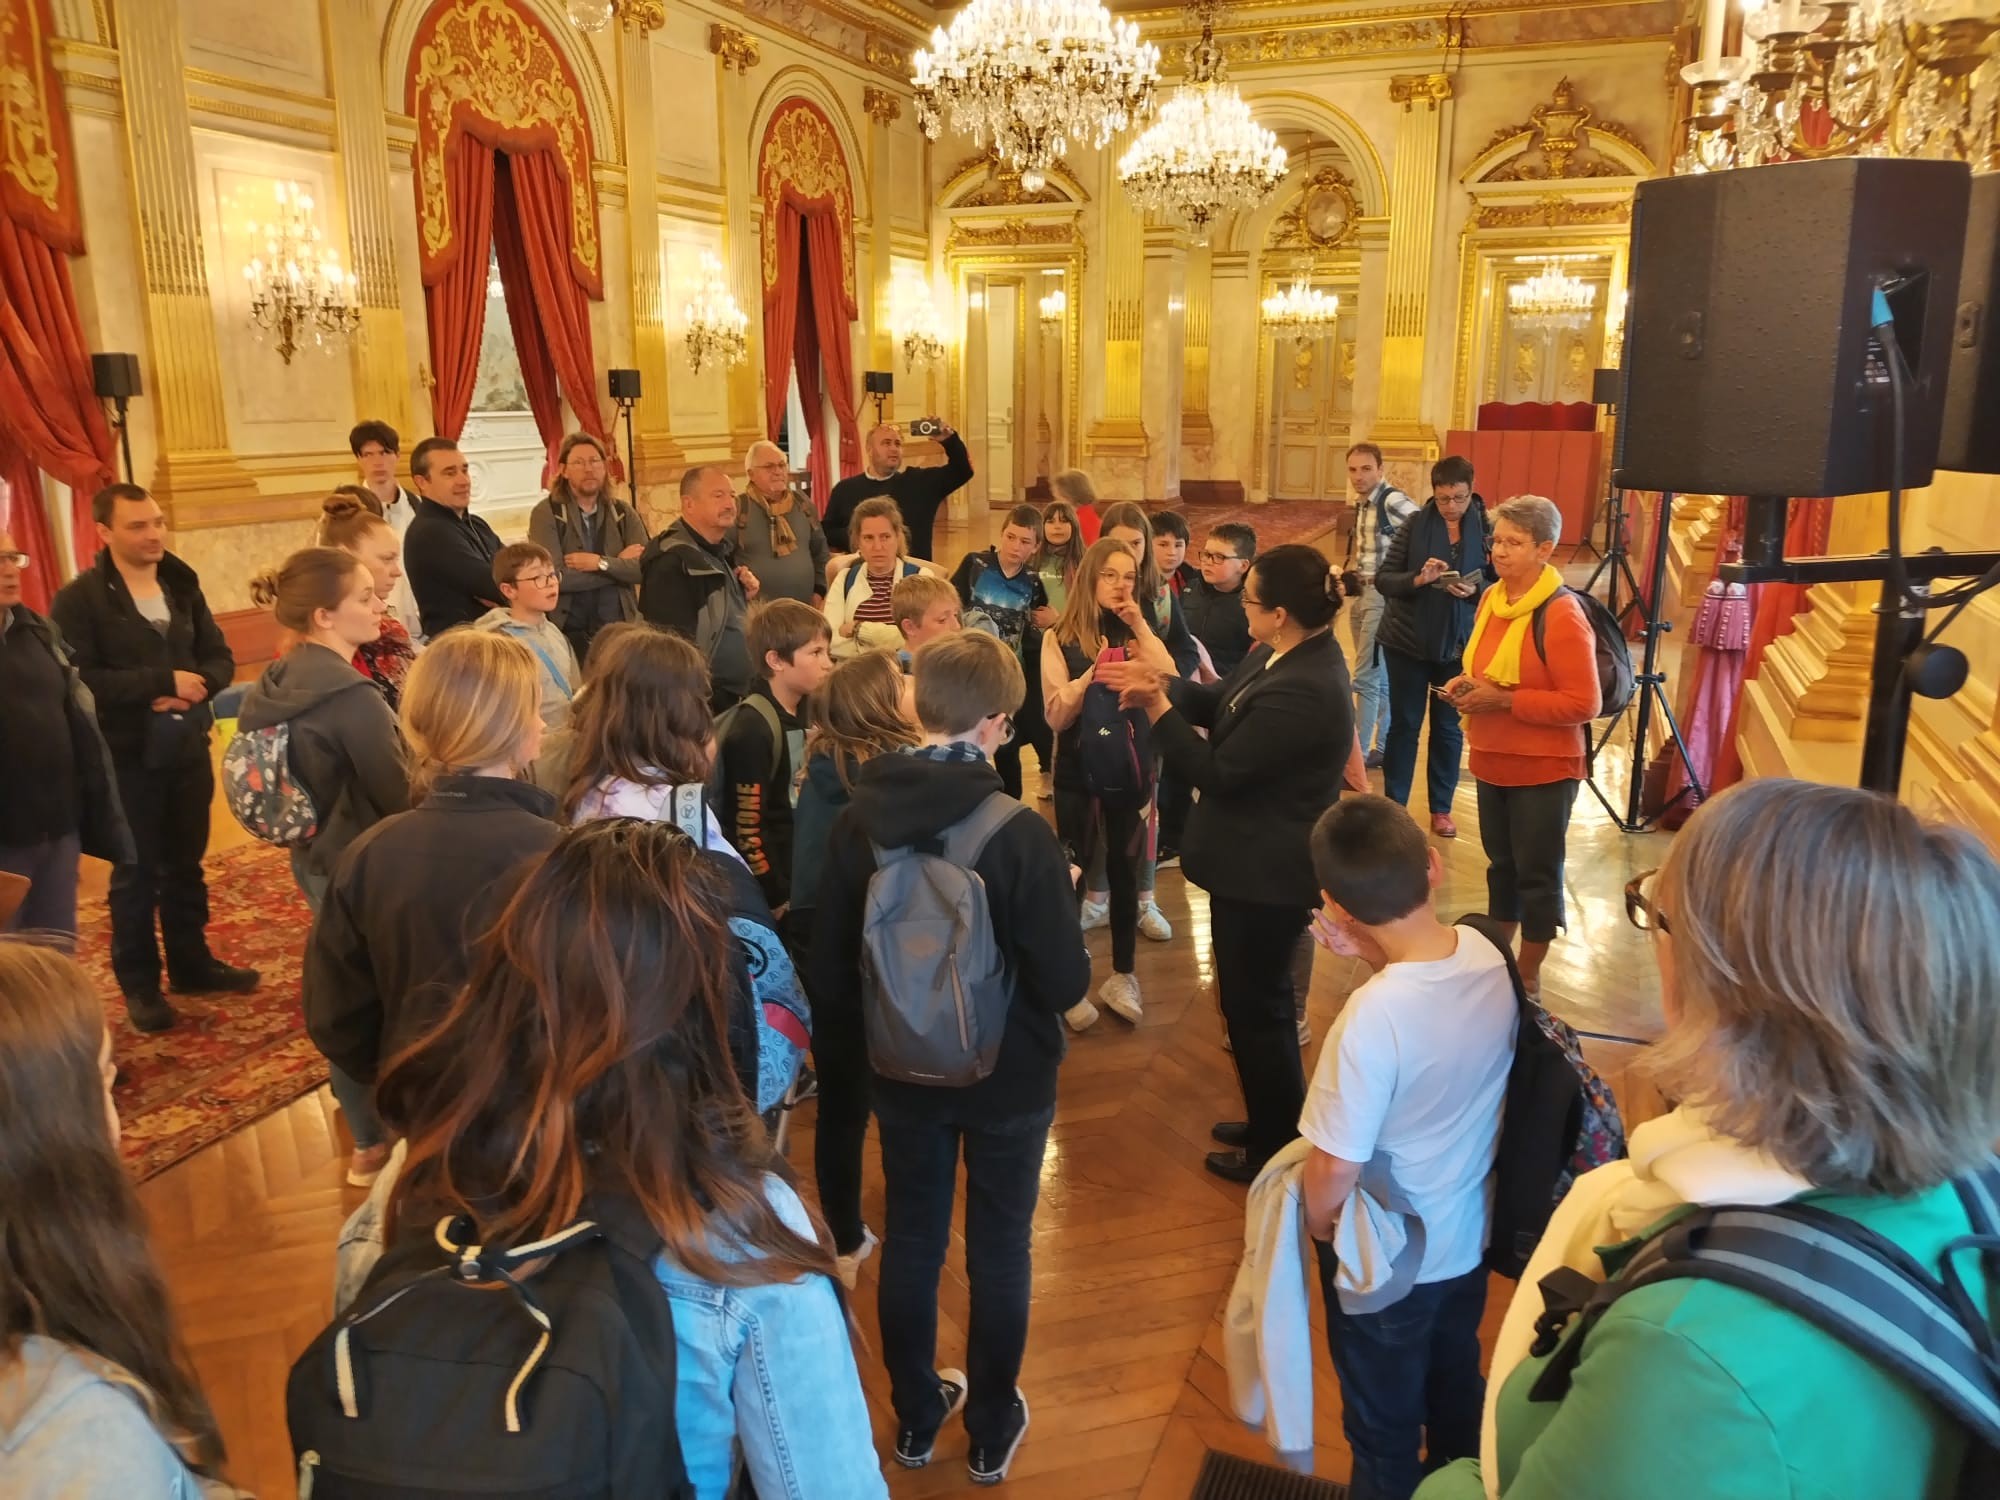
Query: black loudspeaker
[[1971, 440], [116, 376], [1748, 367], [624, 384], [1605, 387], [878, 382]]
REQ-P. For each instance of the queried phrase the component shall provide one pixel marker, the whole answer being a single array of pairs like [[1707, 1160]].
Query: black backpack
[[452, 1376], [1616, 681], [1840, 1276], [1114, 749], [1560, 1120]]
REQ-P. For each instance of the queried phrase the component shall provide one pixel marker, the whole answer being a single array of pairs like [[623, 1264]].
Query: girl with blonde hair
[[97, 1393], [857, 715], [351, 519], [414, 892]]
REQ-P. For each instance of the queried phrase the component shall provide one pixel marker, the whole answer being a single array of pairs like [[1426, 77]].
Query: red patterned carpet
[[233, 1058], [1276, 524]]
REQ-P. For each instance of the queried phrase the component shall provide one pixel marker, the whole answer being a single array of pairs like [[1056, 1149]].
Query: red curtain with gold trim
[[541, 200], [836, 348], [455, 304], [781, 318], [812, 392], [531, 350], [23, 517]]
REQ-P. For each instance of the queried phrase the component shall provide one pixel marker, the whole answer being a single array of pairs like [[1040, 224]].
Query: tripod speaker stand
[[1614, 562], [1650, 694]]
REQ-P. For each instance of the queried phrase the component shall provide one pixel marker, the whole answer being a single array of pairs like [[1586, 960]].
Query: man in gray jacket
[[778, 534], [599, 539]]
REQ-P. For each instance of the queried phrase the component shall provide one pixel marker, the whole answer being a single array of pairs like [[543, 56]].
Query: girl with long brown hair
[[97, 1394], [593, 1052], [396, 928], [857, 716], [1061, 552], [351, 519]]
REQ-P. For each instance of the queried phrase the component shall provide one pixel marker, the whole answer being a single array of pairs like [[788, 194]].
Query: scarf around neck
[[1505, 666], [784, 541]]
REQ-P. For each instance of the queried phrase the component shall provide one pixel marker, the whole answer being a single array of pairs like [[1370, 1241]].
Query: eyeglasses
[[18, 559], [535, 580], [1639, 908], [1220, 557], [1250, 603]]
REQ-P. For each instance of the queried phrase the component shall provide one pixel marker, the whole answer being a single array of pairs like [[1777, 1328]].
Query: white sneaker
[[1153, 923], [1120, 994], [850, 1265], [1305, 1032], [1081, 1016], [1095, 914]]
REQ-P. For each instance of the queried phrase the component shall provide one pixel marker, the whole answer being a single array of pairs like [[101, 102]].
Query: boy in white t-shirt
[[1413, 1077]]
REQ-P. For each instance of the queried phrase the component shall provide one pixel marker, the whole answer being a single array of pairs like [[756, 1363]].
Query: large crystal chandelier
[[1910, 78], [717, 329], [1205, 156], [1552, 299], [1301, 312], [1034, 75], [297, 289]]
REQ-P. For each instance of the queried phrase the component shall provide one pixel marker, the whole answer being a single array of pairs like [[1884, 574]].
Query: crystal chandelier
[[1034, 75], [1301, 312], [642, 16], [914, 316], [1909, 78], [297, 289], [1205, 156], [1552, 299], [1054, 306], [717, 329]]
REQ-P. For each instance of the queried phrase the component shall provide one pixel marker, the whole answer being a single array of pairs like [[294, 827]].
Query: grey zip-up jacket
[[345, 746]]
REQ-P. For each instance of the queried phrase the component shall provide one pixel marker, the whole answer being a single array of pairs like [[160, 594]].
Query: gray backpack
[[935, 990]]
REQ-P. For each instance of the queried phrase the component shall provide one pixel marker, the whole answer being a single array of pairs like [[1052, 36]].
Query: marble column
[[656, 456], [1163, 359], [738, 52], [197, 478], [1417, 181], [383, 381], [1233, 369], [1197, 434], [883, 110], [1117, 441]]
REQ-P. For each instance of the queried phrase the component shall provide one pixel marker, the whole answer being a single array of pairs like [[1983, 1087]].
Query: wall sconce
[[914, 320], [1054, 306]]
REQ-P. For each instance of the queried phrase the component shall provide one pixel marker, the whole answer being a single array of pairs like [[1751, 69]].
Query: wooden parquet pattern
[[1135, 1245]]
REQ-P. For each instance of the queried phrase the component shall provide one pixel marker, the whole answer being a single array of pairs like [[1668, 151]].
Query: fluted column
[[1163, 359], [381, 370], [197, 478], [737, 52], [1233, 367], [1414, 188], [1117, 441], [883, 109], [1197, 434], [657, 456]]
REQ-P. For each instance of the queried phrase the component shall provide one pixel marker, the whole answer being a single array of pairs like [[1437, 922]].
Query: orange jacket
[[1542, 739]]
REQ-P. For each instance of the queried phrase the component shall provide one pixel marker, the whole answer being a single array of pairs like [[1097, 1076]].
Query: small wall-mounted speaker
[[115, 376], [878, 382], [1604, 386], [624, 384]]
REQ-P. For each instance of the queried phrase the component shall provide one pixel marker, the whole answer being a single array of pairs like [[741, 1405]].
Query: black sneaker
[[804, 1087], [988, 1462], [1169, 858], [149, 1012], [218, 977], [915, 1444]]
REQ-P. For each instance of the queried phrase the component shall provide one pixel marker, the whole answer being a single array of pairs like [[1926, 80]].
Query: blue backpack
[[1114, 746]]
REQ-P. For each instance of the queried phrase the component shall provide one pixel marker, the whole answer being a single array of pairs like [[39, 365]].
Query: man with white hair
[[778, 535]]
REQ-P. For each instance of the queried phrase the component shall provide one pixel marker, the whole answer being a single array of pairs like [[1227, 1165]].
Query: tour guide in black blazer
[[1279, 733]]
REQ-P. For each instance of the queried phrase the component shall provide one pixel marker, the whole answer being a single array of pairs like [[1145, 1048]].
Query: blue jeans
[[49, 867], [1409, 1380], [1410, 697], [1371, 701], [356, 1099], [1003, 1178]]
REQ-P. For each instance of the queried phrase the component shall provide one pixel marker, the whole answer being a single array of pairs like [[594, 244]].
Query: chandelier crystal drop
[[1030, 76], [298, 290], [717, 329], [1552, 299], [1301, 312], [1206, 155]]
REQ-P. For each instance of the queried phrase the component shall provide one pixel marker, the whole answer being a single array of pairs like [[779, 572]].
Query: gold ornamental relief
[[483, 66], [39, 189], [800, 152]]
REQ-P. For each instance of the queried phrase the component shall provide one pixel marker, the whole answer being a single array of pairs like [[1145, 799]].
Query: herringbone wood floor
[[1135, 1245]]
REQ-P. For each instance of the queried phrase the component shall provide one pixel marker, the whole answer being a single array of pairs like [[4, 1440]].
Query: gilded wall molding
[[642, 17], [1412, 89], [984, 181], [800, 155], [881, 106], [1552, 211], [1561, 140], [1018, 234], [204, 78], [862, 38], [737, 49], [236, 109]]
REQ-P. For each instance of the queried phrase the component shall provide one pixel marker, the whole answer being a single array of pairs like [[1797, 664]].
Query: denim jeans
[[356, 1099], [49, 867], [1003, 1178], [1410, 698], [1371, 700], [1409, 1380]]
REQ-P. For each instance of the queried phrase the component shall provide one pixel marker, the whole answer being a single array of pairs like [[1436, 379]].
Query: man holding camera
[[918, 493]]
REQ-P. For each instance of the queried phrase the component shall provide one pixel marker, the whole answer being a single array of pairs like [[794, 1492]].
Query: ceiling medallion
[[1033, 75], [1205, 156]]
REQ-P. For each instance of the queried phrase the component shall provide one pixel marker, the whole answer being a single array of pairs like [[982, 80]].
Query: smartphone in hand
[[926, 427], [1446, 580]]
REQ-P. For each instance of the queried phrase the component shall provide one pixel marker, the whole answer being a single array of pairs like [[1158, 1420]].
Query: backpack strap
[[853, 572], [967, 839], [1540, 622], [687, 810], [1489, 929], [766, 710]]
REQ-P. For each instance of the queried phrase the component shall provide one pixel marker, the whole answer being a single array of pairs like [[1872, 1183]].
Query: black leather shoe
[[1230, 1133], [150, 1013], [218, 977], [1233, 1166], [1374, 760]]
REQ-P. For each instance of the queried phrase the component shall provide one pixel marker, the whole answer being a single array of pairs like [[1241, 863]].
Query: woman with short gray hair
[[1528, 688], [1828, 963]]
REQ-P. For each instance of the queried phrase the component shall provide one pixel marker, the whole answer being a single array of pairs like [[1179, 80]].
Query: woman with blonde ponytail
[[406, 905]]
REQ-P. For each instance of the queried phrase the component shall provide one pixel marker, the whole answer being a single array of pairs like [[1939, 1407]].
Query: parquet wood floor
[[1135, 1245]]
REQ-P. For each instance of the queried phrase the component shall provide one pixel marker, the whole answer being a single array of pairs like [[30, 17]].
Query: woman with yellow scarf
[[1525, 701]]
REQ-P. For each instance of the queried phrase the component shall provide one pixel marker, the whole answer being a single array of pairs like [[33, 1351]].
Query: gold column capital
[[642, 17], [881, 106], [737, 49], [1407, 89]]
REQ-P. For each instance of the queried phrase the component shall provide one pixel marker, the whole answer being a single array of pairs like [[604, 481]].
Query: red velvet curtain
[[23, 517], [812, 395], [542, 203], [48, 404], [781, 318], [836, 351], [455, 305], [538, 369]]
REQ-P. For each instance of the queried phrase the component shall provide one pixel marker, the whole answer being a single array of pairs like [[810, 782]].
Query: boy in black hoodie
[[762, 740], [968, 687]]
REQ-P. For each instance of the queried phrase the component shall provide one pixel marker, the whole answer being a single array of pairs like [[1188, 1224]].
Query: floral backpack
[[268, 800]]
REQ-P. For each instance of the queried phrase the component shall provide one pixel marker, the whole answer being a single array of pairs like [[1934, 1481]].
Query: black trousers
[[1031, 728], [1525, 830], [1255, 947], [1081, 823], [168, 809]]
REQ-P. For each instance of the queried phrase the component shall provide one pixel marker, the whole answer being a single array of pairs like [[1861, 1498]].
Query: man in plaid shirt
[[1380, 510]]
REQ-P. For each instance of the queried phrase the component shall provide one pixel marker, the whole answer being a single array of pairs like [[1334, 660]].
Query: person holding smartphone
[[919, 493], [1429, 581]]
